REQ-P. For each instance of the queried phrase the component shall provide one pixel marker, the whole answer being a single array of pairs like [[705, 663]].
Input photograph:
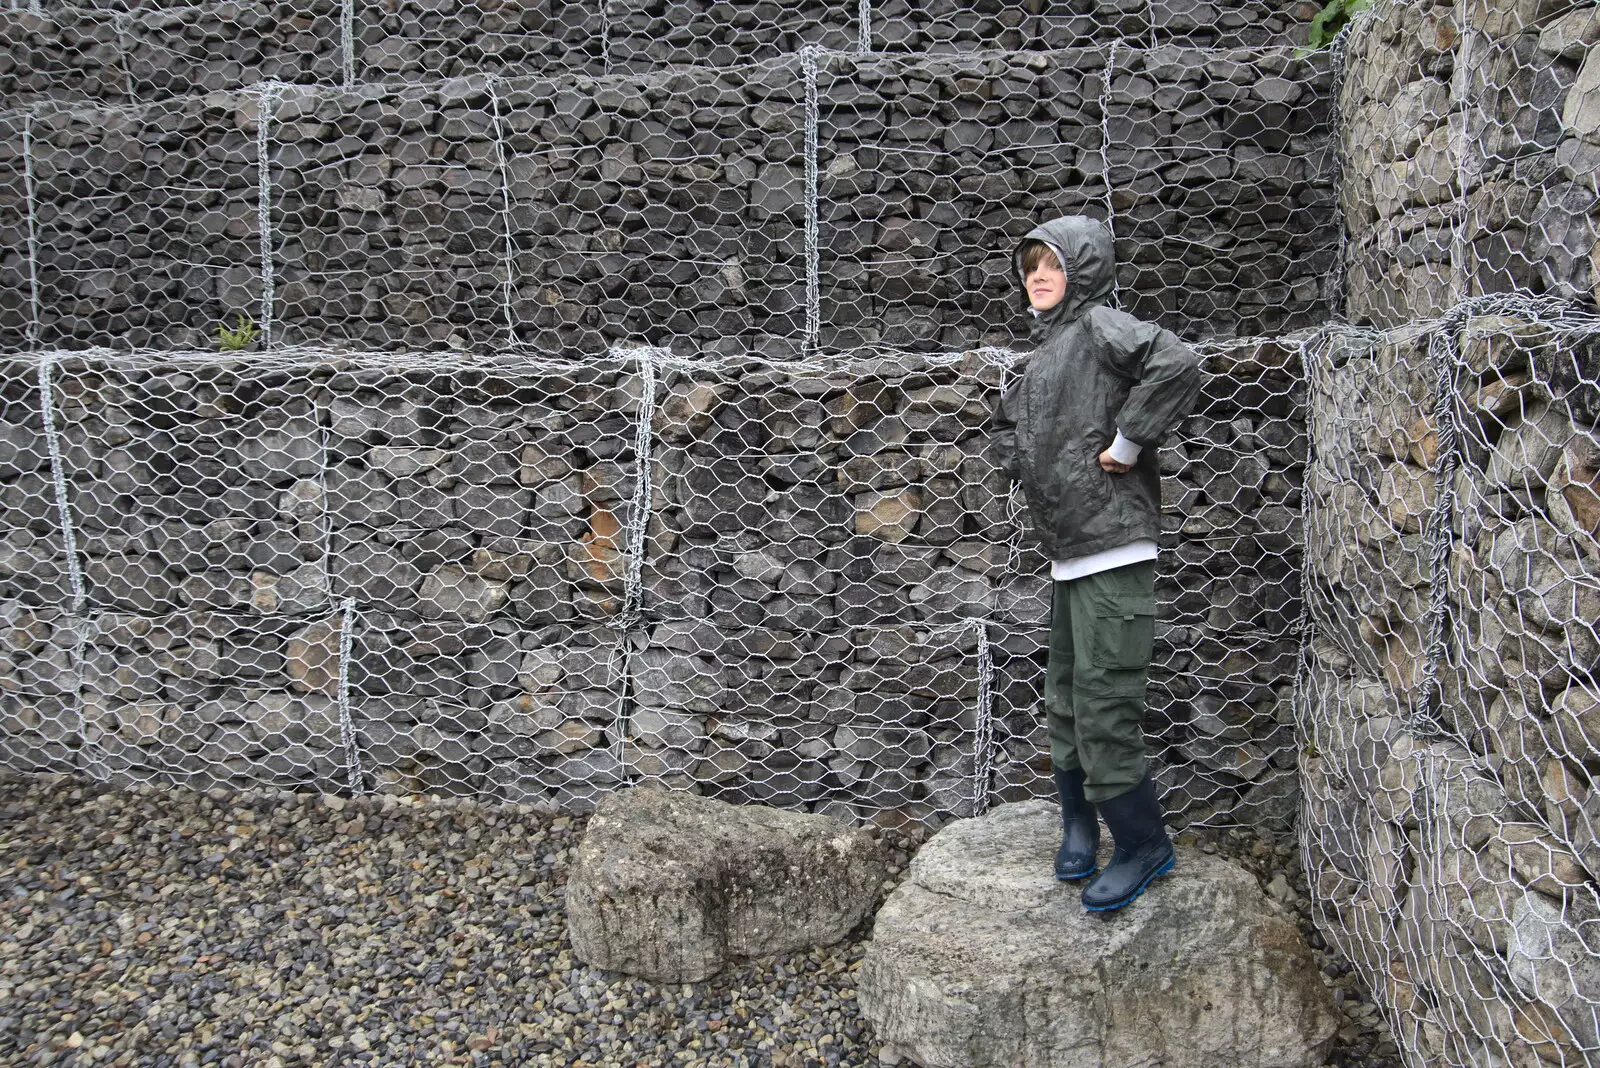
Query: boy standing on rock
[[1080, 431]]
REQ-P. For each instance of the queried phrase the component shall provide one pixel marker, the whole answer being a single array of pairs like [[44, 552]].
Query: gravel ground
[[166, 927]]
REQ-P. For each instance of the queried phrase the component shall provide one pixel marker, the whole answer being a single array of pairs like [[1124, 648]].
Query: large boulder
[[981, 958], [672, 886]]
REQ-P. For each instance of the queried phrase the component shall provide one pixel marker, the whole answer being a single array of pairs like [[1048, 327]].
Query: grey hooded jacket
[[1095, 371]]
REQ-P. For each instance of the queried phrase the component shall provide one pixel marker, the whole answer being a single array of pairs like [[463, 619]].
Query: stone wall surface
[[147, 52], [693, 208], [1453, 506], [542, 564], [1471, 138], [338, 572], [1453, 503]]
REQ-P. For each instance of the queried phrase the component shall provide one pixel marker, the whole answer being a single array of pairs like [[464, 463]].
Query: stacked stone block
[[1455, 588], [1455, 496], [799, 584], [56, 51], [568, 214], [1208, 153], [1471, 136]]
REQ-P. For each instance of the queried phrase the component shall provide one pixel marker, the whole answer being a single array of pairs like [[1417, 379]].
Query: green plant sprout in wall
[[242, 337], [1333, 18]]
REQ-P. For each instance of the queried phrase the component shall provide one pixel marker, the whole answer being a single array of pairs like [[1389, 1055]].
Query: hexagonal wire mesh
[[738, 184], [1469, 143], [770, 559], [125, 52], [801, 582], [1453, 584], [815, 201]]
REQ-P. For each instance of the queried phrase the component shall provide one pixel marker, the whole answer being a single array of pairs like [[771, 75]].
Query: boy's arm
[[1165, 374], [1003, 431]]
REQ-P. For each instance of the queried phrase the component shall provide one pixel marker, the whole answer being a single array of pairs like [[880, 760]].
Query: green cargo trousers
[[1102, 630]]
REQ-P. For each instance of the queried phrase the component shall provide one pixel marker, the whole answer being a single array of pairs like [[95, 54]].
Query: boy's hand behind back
[[1107, 463]]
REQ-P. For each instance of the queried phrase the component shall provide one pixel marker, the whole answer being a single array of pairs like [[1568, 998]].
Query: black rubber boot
[[1080, 830], [1143, 849]]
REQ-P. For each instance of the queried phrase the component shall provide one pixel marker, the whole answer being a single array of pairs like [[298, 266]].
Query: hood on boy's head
[[1088, 256]]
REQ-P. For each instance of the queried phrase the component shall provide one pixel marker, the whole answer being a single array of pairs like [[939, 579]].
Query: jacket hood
[[1089, 257]]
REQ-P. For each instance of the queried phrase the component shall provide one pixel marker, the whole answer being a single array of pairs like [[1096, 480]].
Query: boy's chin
[[1041, 309]]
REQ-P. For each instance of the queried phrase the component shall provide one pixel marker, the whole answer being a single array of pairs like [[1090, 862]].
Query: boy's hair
[[1035, 253]]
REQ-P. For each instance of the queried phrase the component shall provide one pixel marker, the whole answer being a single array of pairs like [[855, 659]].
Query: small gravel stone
[[167, 927]]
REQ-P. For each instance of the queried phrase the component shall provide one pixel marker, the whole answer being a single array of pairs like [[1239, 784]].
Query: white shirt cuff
[[1124, 451]]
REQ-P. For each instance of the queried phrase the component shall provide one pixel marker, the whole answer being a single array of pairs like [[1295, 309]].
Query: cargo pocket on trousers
[[1123, 641]]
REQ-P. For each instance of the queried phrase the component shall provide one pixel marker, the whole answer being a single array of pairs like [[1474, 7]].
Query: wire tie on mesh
[[864, 17], [347, 729], [507, 291], [808, 61], [324, 454], [1461, 102], [1438, 537], [1016, 521], [996, 356], [30, 193], [983, 749], [643, 488], [1105, 152], [69, 545], [267, 92], [1339, 276], [69, 537], [120, 23], [342, 690], [347, 41], [1299, 700]]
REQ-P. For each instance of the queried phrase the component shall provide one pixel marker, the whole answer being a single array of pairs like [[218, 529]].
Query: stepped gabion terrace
[[513, 401]]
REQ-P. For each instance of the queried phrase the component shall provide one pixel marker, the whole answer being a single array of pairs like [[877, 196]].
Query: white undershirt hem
[[1132, 553]]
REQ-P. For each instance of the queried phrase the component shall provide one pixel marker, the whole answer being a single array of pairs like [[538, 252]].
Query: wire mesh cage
[[1468, 139], [1449, 771], [522, 399], [795, 583], [813, 201], [1449, 527], [125, 52]]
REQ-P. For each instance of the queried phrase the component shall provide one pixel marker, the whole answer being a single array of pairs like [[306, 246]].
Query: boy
[[1080, 431]]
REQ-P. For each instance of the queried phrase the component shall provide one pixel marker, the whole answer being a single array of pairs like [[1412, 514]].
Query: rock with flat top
[[673, 887], [982, 959]]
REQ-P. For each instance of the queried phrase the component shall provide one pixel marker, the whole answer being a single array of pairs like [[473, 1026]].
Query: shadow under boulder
[[981, 958]]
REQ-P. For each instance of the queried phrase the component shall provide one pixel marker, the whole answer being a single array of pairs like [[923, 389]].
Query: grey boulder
[[981, 958], [673, 887]]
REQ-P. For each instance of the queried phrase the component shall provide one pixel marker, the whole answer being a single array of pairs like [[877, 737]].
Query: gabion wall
[[118, 52], [1453, 708], [817, 201], [1453, 503], [538, 564], [504, 570], [800, 584], [1471, 141]]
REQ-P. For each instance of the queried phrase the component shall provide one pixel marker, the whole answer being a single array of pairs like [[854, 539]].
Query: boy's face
[[1046, 284]]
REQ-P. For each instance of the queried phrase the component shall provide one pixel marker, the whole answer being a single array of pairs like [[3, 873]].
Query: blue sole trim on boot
[[1148, 879], [1081, 875]]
